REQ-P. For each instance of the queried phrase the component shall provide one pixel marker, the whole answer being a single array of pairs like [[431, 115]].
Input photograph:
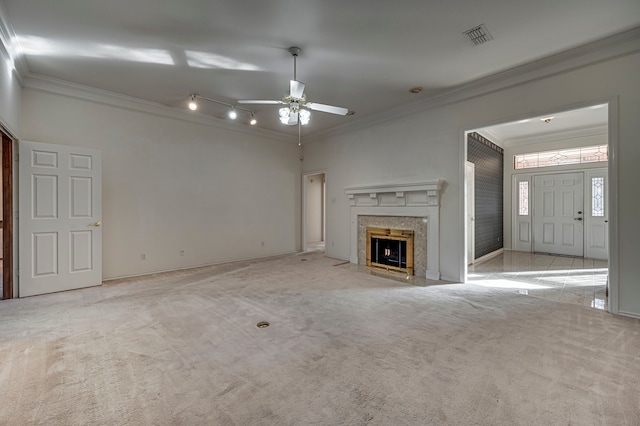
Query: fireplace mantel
[[404, 194], [420, 199]]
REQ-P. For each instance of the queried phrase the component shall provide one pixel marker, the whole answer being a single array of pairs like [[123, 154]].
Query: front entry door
[[558, 214], [60, 212]]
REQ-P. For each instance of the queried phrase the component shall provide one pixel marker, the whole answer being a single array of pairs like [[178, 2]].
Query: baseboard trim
[[629, 314], [142, 274], [488, 256]]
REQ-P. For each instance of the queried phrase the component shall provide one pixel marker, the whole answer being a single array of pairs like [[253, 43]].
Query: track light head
[[232, 112]]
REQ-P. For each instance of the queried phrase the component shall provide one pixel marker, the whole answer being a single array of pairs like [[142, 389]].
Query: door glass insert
[[585, 154], [523, 198], [597, 196]]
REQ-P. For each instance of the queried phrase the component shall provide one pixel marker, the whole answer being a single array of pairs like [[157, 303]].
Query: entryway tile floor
[[559, 278]]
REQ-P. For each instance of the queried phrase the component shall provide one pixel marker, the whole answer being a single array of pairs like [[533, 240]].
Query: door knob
[[98, 223], [577, 218]]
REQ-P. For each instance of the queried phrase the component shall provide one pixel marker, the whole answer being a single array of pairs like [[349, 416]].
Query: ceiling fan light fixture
[[295, 98], [305, 116], [284, 115]]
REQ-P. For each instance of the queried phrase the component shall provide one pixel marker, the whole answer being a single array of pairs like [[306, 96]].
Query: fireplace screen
[[389, 252], [391, 249]]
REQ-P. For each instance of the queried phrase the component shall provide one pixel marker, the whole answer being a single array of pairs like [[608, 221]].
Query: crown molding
[[558, 136], [491, 136], [9, 47], [622, 44], [41, 83]]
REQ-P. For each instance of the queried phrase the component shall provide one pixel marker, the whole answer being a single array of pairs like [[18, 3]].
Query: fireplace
[[397, 207], [391, 249]]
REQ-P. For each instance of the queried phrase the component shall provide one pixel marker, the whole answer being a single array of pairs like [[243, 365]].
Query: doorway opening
[[6, 225], [554, 214], [314, 212]]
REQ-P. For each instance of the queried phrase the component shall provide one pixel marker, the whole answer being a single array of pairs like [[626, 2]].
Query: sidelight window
[[523, 198], [597, 196]]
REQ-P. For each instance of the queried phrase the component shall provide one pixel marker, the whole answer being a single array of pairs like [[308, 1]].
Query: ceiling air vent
[[478, 35]]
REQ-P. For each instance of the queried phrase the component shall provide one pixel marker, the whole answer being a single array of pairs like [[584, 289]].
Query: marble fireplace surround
[[396, 201]]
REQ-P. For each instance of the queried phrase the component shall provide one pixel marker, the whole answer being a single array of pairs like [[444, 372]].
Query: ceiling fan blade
[[327, 108], [296, 89], [293, 118], [259, 101]]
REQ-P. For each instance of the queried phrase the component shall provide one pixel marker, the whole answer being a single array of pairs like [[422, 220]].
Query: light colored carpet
[[343, 347]]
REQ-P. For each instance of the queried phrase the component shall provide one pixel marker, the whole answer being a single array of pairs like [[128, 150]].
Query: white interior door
[[471, 212], [558, 213], [60, 212], [596, 215]]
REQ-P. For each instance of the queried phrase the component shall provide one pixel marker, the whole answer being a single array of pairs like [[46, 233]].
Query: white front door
[[60, 212], [558, 214], [471, 212]]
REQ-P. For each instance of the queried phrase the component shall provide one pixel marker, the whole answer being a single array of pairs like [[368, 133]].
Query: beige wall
[[427, 145], [169, 184]]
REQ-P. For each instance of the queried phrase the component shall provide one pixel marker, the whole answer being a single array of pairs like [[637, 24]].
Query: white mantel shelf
[[402, 194], [420, 199]]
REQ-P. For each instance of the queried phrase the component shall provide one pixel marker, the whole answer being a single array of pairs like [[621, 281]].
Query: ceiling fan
[[297, 107]]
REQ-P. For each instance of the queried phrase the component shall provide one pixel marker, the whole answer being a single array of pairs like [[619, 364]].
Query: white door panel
[[558, 213], [60, 208]]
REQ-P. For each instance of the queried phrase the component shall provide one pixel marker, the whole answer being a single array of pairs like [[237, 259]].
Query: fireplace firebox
[[391, 249]]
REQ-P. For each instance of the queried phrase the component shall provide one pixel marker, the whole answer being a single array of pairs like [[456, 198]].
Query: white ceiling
[[364, 55], [583, 121]]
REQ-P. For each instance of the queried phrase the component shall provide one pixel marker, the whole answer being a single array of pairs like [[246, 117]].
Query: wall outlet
[[143, 256], [183, 252]]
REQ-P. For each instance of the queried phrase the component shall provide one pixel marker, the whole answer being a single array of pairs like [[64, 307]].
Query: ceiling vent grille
[[479, 35]]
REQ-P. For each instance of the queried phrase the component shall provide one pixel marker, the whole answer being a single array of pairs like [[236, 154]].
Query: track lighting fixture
[[233, 110]]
